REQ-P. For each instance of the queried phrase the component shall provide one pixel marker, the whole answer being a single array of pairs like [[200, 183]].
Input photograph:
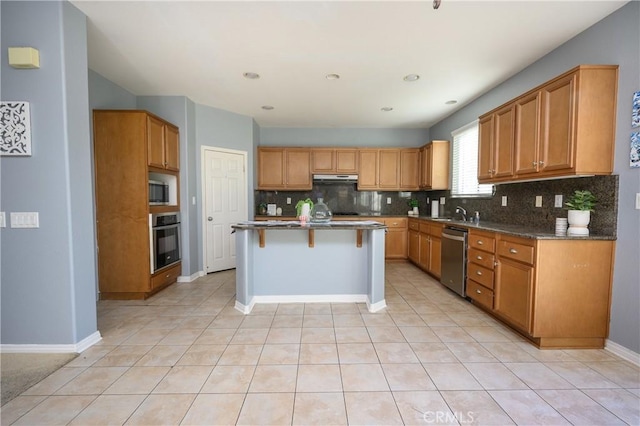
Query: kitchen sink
[[442, 219]]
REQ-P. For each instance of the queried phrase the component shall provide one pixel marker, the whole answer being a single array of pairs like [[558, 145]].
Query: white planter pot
[[578, 222]]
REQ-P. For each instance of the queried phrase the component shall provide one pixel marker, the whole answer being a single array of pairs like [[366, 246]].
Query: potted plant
[[413, 203], [580, 205]]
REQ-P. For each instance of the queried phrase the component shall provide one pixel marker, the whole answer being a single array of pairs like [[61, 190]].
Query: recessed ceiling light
[[451, 102], [332, 76], [386, 109], [267, 107], [411, 77], [251, 75]]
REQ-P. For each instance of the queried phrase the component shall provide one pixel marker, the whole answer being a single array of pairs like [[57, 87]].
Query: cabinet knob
[[541, 163], [479, 257], [534, 163], [478, 273], [480, 242], [168, 275], [210, 219], [478, 291], [513, 251]]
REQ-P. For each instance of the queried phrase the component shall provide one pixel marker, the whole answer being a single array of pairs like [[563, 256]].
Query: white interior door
[[225, 204]]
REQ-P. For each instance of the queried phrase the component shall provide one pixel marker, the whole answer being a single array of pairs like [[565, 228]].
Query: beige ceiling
[[201, 50]]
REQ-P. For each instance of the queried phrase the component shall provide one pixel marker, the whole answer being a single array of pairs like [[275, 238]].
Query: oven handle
[[156, 228]]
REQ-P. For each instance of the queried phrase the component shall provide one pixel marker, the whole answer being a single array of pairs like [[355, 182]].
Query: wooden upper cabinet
[[368, 169], [565, 127], [410, 169], [503, 143], [163, 146], [334, 160], [284, 168], [271, 168], [389, 169], [434, 165], [172, 147], [527, 134], [485, 148], [298, 168]]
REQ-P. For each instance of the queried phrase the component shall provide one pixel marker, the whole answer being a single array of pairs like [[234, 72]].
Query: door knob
[[210, 219]]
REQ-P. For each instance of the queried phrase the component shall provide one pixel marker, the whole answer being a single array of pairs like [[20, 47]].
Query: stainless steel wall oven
[[164, 239]]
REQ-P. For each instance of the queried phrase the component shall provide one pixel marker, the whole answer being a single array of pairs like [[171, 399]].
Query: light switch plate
[[388, 200], [25, 220], [442, 200], [558, 201], [193, 200], [288, 200], [504, 201], [538, 200], [638, 201], [3, 220]]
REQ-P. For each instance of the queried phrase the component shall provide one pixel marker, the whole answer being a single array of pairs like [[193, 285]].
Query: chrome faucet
[[463, 212]]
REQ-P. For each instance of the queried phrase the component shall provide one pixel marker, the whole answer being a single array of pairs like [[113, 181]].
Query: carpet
[[18, 372]]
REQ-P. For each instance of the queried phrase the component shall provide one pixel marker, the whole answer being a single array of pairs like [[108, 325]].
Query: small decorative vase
[[415, 211], [578, 222]]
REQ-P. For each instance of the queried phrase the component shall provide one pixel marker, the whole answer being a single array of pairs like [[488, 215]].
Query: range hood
[[335, 178]]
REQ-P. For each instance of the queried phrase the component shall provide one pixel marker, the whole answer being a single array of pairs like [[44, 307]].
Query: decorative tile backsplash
[[520, 209]]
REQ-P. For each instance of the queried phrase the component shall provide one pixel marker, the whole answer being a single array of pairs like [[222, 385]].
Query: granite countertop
[[515, 230], [294, 224]]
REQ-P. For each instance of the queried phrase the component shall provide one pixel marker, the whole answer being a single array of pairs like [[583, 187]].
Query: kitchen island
[[287, 262]]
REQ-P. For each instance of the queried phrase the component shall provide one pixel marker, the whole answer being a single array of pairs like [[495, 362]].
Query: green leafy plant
[[412, 202], [581, 200], [301, 203]]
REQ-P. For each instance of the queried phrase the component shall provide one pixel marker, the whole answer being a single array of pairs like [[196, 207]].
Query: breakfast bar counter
[[289, 262]]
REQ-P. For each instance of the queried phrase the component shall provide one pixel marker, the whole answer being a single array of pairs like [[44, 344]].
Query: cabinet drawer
[[424, 227], [516, 251], [480, 274], [480, 294], [482, 242], [396, 222], [482, 258], [414, 224], [435, 230], [165, 277]]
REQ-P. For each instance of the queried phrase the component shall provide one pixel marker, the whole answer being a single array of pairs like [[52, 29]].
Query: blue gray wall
[[279, 136], [614, 40], [48, 274]]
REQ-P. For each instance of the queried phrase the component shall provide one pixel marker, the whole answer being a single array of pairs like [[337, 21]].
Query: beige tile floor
[[185, 356]]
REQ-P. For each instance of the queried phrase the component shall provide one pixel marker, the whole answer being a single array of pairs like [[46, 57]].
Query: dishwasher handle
[[452, 237]]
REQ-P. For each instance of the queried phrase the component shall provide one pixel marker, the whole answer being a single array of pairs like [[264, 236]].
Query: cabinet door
[[323, 160], [409, 169], [172, 148], [503, 143], [346, 161], [527, 137], [271, 168], [155, 142], [368, 169], [414, 247], [513, 293], [558, 124], [425, 166], [439, 165], [298, 169], [425, 251], [389, 169], [395, 244], [485, 150], [435, 259]]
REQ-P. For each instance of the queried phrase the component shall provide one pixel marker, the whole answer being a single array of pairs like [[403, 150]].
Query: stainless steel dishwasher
[[454, 259]]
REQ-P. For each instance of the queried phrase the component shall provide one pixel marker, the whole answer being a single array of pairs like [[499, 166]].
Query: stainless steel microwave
[[158, 193]]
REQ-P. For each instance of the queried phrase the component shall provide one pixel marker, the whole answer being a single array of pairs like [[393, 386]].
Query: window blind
[[465, 163]]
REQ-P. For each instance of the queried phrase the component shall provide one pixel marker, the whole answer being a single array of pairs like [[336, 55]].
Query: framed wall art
[[15, 129], [635, 110], [634, 155]]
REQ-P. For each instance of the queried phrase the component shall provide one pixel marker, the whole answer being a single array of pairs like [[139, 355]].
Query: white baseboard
[[79, 347], [624, 353], [190, 278], [376, 306], [311, 298], [244, 309]]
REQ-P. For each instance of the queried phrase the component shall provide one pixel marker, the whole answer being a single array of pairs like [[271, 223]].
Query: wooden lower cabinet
[[425, 241], [396, 238], [514, 291]]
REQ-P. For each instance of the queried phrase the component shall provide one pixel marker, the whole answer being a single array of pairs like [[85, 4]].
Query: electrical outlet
[[504, 201], [558, 201], [288, 200], [25, 220], [193, 200], [442, 200], [538, 200], [388, 200], [638, 201]]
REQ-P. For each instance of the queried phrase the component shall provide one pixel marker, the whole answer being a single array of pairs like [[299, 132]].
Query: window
[[465, 163]]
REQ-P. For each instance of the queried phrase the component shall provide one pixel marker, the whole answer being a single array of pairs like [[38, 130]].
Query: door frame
[[203, 213]]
